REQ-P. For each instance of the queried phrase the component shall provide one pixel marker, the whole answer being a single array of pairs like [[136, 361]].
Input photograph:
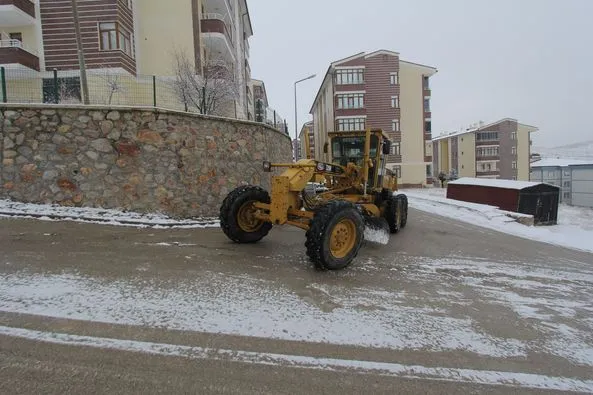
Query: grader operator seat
[[350, 149]]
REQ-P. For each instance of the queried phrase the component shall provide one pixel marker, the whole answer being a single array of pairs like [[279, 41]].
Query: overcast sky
[[526, 59]]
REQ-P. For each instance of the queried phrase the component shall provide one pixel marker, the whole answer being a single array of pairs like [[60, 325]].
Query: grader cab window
[[351, 149]]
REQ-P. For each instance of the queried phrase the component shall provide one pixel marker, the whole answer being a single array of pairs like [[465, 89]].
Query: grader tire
[[236, 215], [335, 235], [404, 205], [393, 214]]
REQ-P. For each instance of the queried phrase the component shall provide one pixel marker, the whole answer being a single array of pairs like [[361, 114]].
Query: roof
[[496, 183], [477, 129], [366, 55], [560, 162]]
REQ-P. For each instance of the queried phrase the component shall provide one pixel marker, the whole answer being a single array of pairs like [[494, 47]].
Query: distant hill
[[582, 150]]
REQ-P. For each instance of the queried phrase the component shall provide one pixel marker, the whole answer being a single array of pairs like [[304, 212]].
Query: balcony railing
[[25, 5], [14, 52], [216, 23]]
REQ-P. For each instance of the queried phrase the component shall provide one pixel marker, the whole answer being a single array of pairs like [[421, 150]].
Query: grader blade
[[376, 230]]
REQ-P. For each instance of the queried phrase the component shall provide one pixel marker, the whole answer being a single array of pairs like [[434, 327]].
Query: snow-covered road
[[457, 300]]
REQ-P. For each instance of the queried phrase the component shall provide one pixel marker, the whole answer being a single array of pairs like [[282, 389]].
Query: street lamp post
[[296, 123]]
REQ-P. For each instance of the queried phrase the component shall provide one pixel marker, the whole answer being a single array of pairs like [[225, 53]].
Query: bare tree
[[114, 84], [211, 92]]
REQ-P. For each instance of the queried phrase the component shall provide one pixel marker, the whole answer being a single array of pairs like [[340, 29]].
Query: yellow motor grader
[[358, 200]]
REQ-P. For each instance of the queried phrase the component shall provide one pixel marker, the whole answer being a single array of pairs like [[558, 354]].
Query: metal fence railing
[[105, 88], [111, 88]]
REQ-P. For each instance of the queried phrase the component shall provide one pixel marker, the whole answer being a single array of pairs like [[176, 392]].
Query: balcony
[[218, 36], [16, 13], [13, 54]]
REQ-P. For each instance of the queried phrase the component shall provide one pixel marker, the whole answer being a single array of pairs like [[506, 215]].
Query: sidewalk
[[574, 229]]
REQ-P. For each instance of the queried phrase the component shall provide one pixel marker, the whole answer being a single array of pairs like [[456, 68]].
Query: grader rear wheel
[[404, 205], [237, 215], [393, 214], [335, 235]]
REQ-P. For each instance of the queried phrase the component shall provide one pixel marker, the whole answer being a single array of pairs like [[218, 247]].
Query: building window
[[487, 136], [114, 37], [514, 136], [514, 150], [395, 125], [398, 171], [129, 3], [425, 83], [396, 148], [426, 104], [349, 76], [567, 172], [351, 124], [566, 195], [550, 174], [566, 184], [483, 167], [489, 166], [487, 151], [395, 101], [514, 165], [350, 101], [393, 79], [428, 170], [428, 126]]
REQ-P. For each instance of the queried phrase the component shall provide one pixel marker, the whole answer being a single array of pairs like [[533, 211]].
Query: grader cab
[[359, 201]]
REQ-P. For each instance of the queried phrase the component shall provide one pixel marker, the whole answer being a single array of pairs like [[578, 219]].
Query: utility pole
[[83, 80]]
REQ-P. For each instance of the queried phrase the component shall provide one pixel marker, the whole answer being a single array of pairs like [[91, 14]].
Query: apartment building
[[126, 37], [574, 177], [379, 90], [262, 110], [305, 135], [501, 149], [296, 150]]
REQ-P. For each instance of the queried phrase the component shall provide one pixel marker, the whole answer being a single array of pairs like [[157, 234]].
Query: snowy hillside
[[583, 150]]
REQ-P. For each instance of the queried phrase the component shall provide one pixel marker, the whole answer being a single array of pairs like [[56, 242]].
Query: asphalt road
[[445, 307]]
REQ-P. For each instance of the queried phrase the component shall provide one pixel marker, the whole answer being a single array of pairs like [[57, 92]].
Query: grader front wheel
[[237, 218], [335, 235]]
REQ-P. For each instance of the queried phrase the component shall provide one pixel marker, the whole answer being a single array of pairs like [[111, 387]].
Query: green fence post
[[56, 87], [3, 77], [154, 90]]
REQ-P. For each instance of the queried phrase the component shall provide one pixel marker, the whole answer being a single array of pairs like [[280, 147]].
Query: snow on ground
[[443, 312], [350, 367], [574, 229], [99, 215]]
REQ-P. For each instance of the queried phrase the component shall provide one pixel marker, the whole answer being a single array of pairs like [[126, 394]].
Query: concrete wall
[[523, 151], [163, 27], [467, 155], [582, 186], [412, 125], [143, 160]]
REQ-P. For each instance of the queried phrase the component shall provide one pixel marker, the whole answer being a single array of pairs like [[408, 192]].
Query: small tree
[[210, 92], [114, 84]]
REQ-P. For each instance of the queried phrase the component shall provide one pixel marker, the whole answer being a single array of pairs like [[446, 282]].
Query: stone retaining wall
[[144, 160]]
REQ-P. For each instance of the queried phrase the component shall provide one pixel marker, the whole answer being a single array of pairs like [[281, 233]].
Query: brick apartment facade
[[380, 90], [107, 29], [501, 149], [131, 37]]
